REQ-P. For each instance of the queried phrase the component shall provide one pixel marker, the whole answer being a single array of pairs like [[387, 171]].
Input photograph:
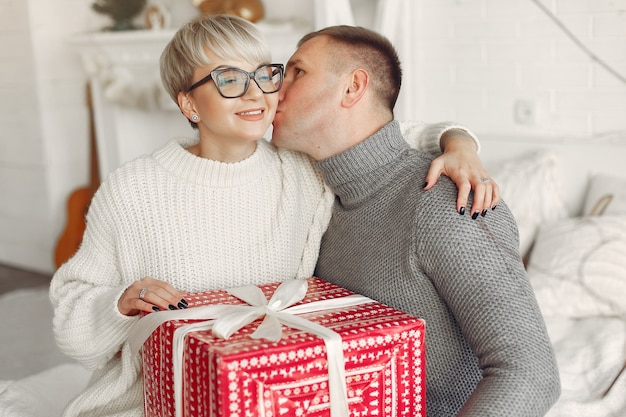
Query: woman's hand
[[149, 294], [461, 164]]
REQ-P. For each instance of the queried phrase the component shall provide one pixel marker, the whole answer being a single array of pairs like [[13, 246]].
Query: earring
[[195, 118]]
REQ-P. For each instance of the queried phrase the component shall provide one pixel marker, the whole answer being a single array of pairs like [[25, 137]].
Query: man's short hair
[[365, 49]]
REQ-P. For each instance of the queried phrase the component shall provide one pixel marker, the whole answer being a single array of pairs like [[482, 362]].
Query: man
[[488, 352]]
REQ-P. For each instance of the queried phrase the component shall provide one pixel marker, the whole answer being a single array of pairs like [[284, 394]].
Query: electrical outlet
[[524, 112]]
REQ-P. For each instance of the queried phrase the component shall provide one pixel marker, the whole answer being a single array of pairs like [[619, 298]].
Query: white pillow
[[532, 187], [578, 267], [606, 195]]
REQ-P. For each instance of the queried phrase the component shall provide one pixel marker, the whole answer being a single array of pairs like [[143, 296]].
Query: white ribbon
[[224, 320]]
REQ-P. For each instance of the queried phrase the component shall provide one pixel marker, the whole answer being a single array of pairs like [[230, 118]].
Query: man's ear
[[186, 105], [358, 84]]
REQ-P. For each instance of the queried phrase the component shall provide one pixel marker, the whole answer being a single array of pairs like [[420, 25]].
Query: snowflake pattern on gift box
[[242, 377]]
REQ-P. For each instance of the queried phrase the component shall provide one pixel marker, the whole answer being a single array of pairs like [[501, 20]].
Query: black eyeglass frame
[[250, 75]]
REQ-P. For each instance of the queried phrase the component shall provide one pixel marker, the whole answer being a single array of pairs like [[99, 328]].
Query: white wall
[[24, 216], [477, 57], [470, 61]]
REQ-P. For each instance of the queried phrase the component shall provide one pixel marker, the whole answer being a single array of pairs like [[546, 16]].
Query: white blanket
[[36, 379], [591, 354], [44, 394]]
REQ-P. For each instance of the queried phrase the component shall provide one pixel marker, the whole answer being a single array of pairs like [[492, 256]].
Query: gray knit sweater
[[488, 353]]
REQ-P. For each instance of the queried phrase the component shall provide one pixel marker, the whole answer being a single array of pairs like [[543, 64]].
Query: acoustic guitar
[[79, 200]]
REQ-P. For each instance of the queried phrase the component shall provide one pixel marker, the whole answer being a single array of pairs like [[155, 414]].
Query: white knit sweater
[[197, 224]]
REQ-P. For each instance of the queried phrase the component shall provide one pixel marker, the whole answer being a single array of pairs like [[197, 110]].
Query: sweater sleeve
[[476, 268], [84, 292], [426, 137]]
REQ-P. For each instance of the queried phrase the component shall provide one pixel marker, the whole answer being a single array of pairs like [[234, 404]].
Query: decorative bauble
[[121, 11], [251, 10]]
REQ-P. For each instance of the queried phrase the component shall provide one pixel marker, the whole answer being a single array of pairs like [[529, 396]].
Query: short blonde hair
[[228, 37]]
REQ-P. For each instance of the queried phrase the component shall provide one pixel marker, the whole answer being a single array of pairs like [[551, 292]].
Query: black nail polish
[[155, 308], [484, 213], [462, 211], [184, 302], [494, 207], [182, 306], [425, 185], [171, 307], [475, 215]]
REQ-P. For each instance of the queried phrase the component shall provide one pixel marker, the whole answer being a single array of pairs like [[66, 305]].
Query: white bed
[[577, 267]]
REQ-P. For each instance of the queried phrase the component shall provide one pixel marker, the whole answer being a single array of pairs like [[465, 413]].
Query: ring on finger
[[143, 292], [484, 179]]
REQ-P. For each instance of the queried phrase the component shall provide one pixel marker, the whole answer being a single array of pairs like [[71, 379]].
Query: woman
[[223, 210]]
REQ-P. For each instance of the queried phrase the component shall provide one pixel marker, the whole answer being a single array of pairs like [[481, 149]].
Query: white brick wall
[[23, 193], [480, 56], [470, 61]]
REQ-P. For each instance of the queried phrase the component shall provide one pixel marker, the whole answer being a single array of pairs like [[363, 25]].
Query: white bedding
[[591, 354], [44, 394], [36, 379]]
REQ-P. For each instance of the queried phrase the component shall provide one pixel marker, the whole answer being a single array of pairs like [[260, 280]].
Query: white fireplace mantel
[[124, 47], [133, 114]]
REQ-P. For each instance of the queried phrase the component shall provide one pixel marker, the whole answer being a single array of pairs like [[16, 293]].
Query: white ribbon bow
[[225, 320]]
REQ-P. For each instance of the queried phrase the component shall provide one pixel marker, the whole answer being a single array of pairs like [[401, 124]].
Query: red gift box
[[383, 350]]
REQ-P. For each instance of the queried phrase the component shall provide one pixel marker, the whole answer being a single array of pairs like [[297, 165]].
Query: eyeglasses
[[234, 82]]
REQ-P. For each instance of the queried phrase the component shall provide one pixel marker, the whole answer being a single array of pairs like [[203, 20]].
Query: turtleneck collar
[[363, 169], [175, 158]]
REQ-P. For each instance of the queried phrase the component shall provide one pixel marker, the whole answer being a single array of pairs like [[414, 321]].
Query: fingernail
[[155, 308], [475, 215], [494, 207], [184, 302], [182, 306], [425, 185], [484, 213], [171, 307], [462, 211]]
